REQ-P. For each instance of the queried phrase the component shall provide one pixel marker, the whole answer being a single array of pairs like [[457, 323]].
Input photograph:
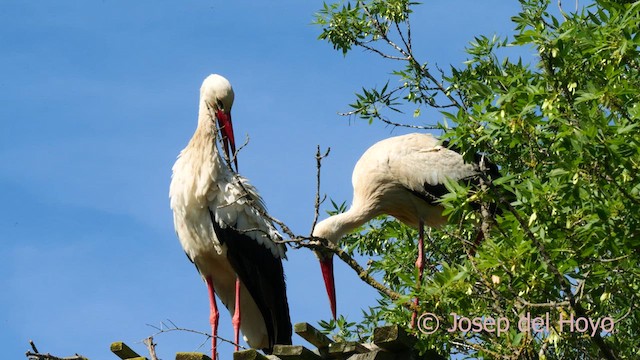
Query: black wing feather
[[433, 192], [262, 274]]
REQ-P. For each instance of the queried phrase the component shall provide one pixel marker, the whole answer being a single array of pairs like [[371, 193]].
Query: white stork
[[404, 177], [219, 219]]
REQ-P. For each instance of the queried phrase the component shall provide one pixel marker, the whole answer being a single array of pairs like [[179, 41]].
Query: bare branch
[[422, 127], [476, 347], [389, 122], [404, 41], [33, 346], [151, 346], [228, 160], [319, 158], [550, 304], [614, 259], [379, 52], [564, 15], [36, 355], [384, 35], [315, 243], [164, 328]]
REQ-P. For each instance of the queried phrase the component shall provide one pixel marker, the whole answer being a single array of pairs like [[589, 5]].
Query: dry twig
[[36, 355], [319, 158], [151, 346], [164, 328]]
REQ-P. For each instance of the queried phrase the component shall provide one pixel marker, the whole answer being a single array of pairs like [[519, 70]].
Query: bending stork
[[404, 177], [218, 217]]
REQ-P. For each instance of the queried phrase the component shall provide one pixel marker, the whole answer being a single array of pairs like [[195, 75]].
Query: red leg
[[420, 265], [213, 317], [236, 316]]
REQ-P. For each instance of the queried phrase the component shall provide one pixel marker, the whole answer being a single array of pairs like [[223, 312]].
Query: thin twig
[[163, 328], [33, 346], [476, 348], [409, 35], [384, 35], [218, 135], [36, 355], [404, 41], [421, 127], [379, 52], [614, 259], [319, 158], [561, 10], [315, 243], [389, 122], [550, 304]]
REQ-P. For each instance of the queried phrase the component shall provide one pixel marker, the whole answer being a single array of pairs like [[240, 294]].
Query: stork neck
[[206, 121], [205, 135], [336, 226]]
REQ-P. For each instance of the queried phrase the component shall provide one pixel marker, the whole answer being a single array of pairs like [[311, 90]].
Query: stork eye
[[219, 104]]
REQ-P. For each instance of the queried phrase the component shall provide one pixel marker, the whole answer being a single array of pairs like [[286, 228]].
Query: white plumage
[[218, 217], [402, 176]]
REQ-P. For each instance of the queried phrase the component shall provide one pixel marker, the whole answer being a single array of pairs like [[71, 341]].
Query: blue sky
[[97, 99]]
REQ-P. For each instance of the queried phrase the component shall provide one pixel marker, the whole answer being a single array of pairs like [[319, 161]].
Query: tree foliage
[[564, 131]]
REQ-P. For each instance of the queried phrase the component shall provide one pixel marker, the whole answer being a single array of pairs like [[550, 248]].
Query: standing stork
[[219, 219], [404, 177]]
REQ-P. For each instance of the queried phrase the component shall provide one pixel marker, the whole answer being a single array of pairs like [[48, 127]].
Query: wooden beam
[[191, 356], [312, 335], [124, 352], [250, 354], [376, 355], [294, 352], [393, 338], [346, 349]]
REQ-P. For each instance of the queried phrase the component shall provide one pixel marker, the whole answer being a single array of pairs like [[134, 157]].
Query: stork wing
[[263, 276], [240, 224], [420, 164], [424, 166]]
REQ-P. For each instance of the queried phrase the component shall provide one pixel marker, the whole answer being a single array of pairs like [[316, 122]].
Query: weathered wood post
[[389, 343], [124, 352]]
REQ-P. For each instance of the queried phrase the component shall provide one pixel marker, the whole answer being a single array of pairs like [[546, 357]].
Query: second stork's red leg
[[213, 317], [420, 265], [236, 316]]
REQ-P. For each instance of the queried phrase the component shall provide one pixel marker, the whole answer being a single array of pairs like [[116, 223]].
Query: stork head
[[324, 230], [217, 93]]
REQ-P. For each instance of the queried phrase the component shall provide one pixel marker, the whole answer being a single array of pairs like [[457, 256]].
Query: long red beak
[[228, 140], [326, 265]]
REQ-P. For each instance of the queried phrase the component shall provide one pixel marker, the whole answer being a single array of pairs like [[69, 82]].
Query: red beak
[[228, 140], [326, 265]]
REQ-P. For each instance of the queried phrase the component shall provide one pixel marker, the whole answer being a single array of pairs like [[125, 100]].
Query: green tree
[[564, 131]]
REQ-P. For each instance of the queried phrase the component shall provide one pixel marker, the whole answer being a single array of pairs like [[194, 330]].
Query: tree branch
[[151, 346], [164, 328], [607, 352], [315, 243], [550, 304], [317, 203], [36, 355]]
